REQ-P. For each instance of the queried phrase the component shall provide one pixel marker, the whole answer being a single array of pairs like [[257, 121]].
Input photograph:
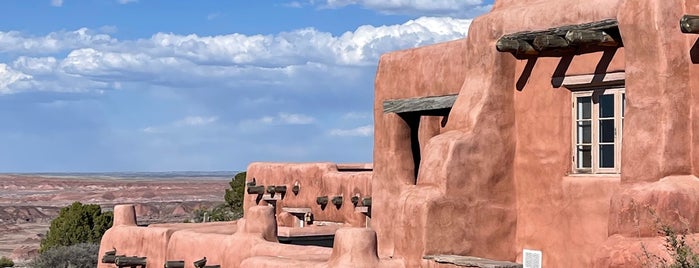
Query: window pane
[[584, 156], [606, 106], [584, 108], [606, 130], [606, 156], [584, 132]]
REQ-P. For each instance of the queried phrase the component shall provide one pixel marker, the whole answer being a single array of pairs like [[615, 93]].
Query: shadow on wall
[[694, 52], [564, 63]]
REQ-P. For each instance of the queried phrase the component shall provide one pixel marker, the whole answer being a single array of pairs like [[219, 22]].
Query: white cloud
[[97, 61], [9, 78], [213, 16], [126, 1], [363, 131], [457, 8], [57, 3], [196, 121], [287, 119], [54, 42], [187, 122], [294, 4]]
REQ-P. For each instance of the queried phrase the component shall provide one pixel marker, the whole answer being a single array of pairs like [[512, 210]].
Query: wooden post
[[549, 41], [689, 24]]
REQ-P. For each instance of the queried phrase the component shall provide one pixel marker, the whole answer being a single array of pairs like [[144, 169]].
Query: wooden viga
[[690, 24], [560, 41], [132, 262]]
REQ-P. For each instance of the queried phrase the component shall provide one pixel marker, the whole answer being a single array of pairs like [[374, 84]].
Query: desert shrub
[[77, 224], [676, 245], [75, 256], [6, 262]]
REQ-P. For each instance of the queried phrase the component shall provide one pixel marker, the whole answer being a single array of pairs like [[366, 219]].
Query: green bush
[[6, 262], [77, 224], [74, 256]]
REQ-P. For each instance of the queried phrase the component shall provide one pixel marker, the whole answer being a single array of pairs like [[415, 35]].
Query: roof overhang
[[561, 41]]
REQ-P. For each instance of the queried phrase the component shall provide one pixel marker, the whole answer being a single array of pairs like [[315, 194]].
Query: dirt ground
[[28, 203]]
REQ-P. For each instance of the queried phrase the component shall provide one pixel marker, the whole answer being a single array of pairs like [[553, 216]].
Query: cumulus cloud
[[94, 60], [363, 131], [9, 78], [457, 8], [16, 42]]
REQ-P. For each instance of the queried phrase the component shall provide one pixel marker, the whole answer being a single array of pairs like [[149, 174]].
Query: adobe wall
[[314, 180], [563, 216], [469, 198]]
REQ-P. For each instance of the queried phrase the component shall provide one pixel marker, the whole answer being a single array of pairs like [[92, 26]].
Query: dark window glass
[[606, 106], [606, 130], [606, 156], [584, 108], [584, 156]]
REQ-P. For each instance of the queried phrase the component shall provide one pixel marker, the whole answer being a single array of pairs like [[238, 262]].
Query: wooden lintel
[[549, 42], [689, 24], [424, 104], [590, 37]]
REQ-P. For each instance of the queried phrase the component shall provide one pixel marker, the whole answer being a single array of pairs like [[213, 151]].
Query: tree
[[6, 262], [77, 224], [234, 196]]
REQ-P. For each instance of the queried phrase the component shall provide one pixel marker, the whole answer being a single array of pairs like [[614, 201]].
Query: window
[[598, 120]]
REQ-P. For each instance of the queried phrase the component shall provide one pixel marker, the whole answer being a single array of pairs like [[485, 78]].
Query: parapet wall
[[314, 180]]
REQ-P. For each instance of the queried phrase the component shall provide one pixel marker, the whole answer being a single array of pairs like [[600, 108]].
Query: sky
[[175, 85]]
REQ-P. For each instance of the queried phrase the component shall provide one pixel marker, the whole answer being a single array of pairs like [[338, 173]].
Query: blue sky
[[145, 85]]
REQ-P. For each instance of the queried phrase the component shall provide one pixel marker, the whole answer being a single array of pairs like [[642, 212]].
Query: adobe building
[[565, 128]]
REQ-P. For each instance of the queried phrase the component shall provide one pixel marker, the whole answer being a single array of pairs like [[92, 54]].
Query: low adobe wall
[[314, 180]]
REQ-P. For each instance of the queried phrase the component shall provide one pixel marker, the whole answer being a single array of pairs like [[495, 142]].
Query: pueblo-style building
[[558, 133]]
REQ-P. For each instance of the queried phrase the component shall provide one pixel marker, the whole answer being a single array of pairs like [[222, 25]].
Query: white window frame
[[619, 107]]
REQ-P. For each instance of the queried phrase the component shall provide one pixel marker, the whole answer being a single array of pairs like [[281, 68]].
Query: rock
[[24, 253]]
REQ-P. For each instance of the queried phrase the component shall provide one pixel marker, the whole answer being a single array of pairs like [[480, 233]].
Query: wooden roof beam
[[424, 105], [559, 41], [689, 24], [596, 37], [516, 47]]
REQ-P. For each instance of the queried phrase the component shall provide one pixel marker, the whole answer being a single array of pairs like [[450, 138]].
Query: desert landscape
[[28, 202]]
